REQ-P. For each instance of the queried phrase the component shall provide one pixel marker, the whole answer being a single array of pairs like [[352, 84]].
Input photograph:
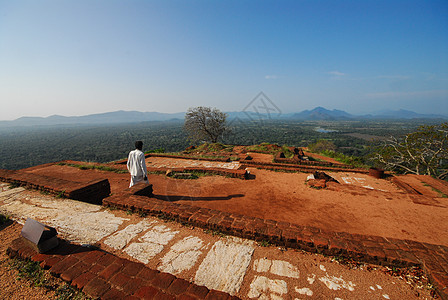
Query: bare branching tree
[[424, 152], [205, 123]]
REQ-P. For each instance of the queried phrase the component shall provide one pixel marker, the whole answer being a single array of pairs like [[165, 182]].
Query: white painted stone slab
[[304, 291], [182, 256], [143, 252], [78, 222], [225, 265], [159, 234], [86, 228], [4, 195], [277, 267], [262, 265], [120, 239], [337, 283], [263, 287], [284, 268], [152, 243]]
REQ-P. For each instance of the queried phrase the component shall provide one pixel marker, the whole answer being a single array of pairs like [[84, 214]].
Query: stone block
[[120, 279], [217, 295], [96, 287], [110, 271], [162, 280], [113, 294], [74, 272], [133, 285], [146, 292], [80, 281], [178, 286], [132, 268], [198, 291], [63, 265]]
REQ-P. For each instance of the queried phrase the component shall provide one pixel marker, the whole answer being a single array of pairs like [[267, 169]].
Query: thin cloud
[[336, 73], [270, 77]]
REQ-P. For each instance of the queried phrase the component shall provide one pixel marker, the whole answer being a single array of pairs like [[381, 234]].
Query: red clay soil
[[285, 197], [261, 157], [359, 204], [118, 182], [426, 185]]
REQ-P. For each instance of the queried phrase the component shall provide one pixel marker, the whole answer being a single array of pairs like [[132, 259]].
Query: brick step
[[91, 192]]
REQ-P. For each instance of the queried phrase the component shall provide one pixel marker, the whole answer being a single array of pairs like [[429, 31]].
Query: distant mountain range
[[320, 113], [117, 117]]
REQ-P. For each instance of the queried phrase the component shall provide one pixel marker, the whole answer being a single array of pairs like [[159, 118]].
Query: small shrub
[[346, 159], [61, 194], [30, 270], [160, 150], [4, 219], [67, 292], [14, 185], [264, 243], [287, 152]]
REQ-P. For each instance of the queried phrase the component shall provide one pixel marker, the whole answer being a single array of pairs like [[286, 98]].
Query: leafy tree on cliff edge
[[205, 124], [423, 152]]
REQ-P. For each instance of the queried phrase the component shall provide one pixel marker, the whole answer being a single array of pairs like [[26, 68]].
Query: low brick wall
[[403, 185], [234, 173], [227, 159], [91, 192], [301, 167], [100, 274], [371, 249]]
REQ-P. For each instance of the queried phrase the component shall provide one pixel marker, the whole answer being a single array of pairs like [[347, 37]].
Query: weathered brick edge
[[279, 158], [227, 159], [403, 185], [300, 167], [234, 173], [372, 249], [100, 274], [92, 192]]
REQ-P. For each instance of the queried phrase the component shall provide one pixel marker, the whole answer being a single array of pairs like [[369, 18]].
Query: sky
[[83, 57]]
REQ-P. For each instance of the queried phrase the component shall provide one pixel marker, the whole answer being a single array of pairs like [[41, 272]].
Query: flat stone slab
[[120, 239], [182, 256], [265, 288], [224, 266], [277, 267], [151, 244], [78, 222]]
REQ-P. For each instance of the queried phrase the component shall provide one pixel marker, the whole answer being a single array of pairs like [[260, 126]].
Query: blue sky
[[83, 57]]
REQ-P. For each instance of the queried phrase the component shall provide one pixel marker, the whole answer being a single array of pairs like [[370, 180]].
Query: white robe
[[137, 167]]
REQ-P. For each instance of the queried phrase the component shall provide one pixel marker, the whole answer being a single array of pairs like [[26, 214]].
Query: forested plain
[[22, 147]]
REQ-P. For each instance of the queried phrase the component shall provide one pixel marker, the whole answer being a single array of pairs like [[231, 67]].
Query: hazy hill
[[320, 113], [115, 117], [403, 114], [123, 117]]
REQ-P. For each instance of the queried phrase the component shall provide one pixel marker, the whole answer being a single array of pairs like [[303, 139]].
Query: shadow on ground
[[190, 198]]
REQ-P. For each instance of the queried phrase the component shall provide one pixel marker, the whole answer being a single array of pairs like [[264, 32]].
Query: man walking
[[136, 165]]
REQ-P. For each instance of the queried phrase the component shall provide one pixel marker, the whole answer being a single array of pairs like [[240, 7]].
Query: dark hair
[[139, 145]]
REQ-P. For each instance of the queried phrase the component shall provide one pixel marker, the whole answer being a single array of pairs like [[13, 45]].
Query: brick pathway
[[373, 249], [103, 275]]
